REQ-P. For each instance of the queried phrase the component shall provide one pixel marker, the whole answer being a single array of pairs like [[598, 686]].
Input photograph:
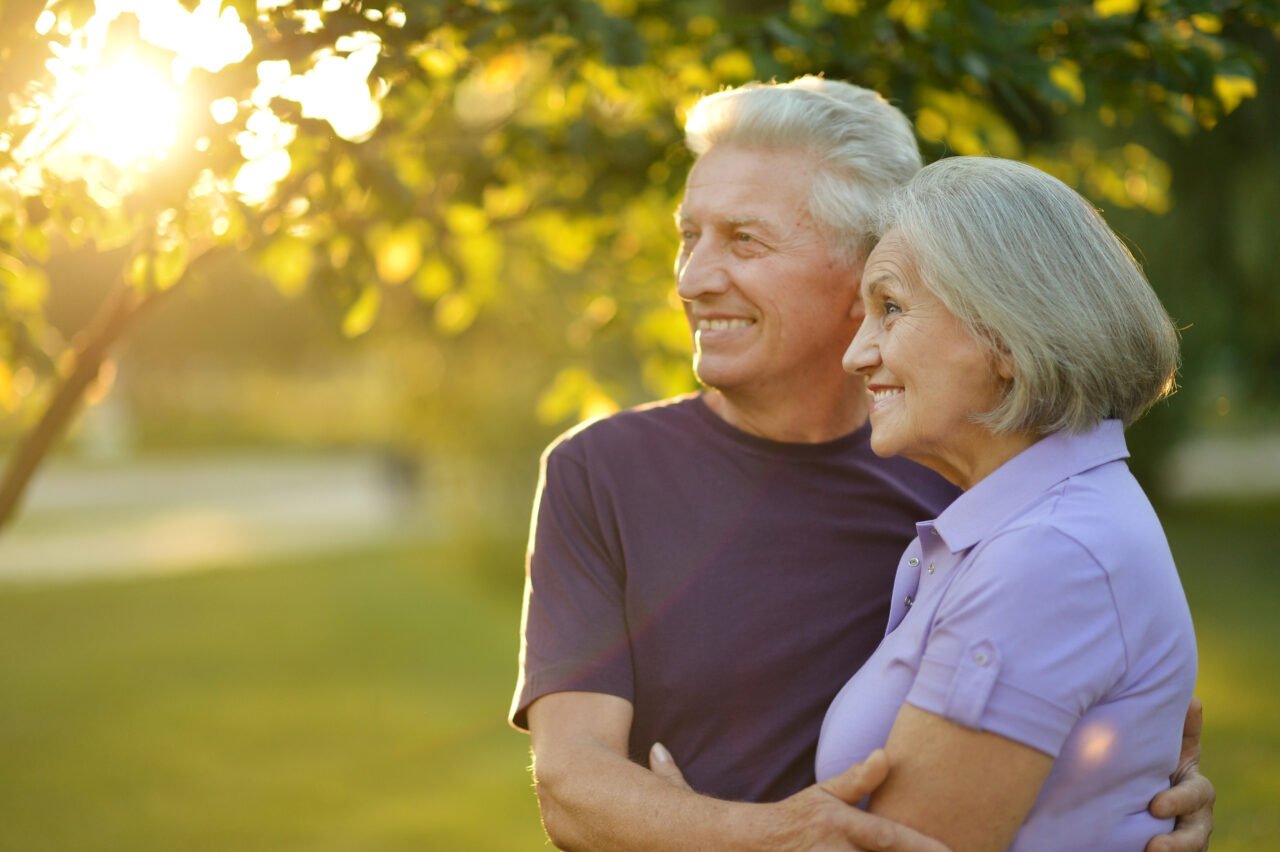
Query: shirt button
[[910, 600], [930, 569], [913, 562], [935, 532], [980, 658]]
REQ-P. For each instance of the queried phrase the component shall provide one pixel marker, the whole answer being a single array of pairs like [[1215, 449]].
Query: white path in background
[[1225, 467], [158, 517]]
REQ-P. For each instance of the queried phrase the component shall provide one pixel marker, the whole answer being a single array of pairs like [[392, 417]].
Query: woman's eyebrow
[[875, 285]]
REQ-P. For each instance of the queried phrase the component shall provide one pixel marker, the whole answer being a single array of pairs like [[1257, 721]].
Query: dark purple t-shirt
[[725, 584]]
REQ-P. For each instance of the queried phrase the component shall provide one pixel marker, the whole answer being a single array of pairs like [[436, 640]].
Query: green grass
[[358, 702], [1226, 555], [347, 704]]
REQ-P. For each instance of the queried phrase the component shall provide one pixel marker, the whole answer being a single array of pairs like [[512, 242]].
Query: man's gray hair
[[1030, 267], [862, 147]]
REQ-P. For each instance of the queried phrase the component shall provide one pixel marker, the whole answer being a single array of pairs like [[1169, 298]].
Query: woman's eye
[[890, 307]]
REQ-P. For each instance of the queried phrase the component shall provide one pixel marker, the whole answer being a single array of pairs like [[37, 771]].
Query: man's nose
[[700, 272], [863, 354]]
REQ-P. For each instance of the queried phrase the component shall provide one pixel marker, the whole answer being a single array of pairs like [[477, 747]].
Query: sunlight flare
[[119, 104]]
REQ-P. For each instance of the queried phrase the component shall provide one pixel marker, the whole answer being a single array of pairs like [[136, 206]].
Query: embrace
[[887, 582]]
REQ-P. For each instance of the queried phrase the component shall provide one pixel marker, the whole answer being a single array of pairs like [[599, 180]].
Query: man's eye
[[742, 237]]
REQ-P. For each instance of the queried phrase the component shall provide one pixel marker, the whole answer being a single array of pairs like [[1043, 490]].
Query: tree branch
[[89, 350]]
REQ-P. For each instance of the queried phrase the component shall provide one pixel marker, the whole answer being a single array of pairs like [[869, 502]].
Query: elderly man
[[707, 572]]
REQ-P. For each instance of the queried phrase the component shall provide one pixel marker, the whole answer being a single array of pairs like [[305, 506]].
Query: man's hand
[[1191, 797], [662, 764], [825, 816]]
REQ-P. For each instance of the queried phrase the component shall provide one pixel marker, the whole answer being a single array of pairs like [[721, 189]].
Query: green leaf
[[287, 261], [398, 251], [25, 287], [170, 264], [362, 313]]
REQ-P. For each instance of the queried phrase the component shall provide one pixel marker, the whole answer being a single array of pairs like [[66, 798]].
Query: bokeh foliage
[[514, 191]]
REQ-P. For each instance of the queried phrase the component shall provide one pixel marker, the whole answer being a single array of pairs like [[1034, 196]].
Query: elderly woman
[[1031, 686]]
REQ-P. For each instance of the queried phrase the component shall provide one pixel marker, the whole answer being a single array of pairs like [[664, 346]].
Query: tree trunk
[[89, 351]]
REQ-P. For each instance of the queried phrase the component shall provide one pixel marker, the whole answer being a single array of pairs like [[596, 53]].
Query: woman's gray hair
[[862, 146], [1030, 267]]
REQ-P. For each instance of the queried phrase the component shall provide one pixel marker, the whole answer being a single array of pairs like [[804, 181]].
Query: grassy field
[[1228, 566], [357, 703]]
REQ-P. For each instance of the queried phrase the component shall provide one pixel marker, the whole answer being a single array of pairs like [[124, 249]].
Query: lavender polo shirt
[[1043, 605]]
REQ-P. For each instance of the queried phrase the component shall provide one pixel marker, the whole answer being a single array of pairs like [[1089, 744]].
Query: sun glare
[[127, 113], [114, 111]]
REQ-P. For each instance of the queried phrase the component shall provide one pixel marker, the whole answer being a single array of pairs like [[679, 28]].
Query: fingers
[[870, 832], [860, 780], [880, 834], [1193, 794], [1192, 803], [1191, 728], [1191, 835], [664, 766]]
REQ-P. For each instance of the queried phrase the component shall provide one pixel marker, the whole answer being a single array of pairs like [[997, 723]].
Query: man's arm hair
[[594, 798]]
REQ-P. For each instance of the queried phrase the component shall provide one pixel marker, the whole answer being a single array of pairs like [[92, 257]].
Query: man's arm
[[1191, 797], [593, 797]]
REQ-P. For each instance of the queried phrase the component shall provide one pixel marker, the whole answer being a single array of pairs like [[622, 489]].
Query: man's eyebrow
[[681, 218]]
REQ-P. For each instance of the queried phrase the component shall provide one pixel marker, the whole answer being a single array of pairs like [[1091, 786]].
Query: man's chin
[[719, 374], [716, 380]]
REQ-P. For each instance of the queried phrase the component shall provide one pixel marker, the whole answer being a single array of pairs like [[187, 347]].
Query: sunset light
[[116, 107], [126, 112]]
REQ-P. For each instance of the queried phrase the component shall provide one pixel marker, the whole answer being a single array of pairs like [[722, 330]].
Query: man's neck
[[796, 418]]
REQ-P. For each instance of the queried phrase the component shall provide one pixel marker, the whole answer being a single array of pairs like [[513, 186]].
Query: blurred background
[[295, 293]]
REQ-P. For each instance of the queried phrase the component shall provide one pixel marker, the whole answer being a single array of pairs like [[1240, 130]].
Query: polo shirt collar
[[978, 512]]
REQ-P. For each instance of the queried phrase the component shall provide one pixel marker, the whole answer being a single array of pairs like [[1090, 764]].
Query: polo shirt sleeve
[[574, 635], [1025, 640]]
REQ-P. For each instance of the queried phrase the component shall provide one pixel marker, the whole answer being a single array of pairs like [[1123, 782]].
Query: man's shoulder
[[651, 422]]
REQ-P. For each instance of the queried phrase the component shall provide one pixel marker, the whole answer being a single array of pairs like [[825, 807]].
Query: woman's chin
[[882, 444]]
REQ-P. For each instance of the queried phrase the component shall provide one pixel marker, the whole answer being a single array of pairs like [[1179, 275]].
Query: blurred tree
[[506, 166]]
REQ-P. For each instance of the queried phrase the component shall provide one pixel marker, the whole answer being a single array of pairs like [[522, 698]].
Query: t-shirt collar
[[977, 512]]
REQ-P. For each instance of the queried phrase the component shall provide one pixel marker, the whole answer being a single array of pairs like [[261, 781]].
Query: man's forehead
[[746, 186]]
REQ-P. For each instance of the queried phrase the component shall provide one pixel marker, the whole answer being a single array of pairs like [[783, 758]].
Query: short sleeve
[[1025, 639], [574, 634]]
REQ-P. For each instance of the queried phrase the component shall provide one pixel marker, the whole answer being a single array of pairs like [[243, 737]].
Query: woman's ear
[[1003, 359]]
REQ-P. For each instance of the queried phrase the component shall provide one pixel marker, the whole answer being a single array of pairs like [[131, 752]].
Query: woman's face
[[926, 374]]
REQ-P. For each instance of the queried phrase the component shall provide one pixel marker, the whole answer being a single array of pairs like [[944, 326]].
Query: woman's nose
[[863, 353]]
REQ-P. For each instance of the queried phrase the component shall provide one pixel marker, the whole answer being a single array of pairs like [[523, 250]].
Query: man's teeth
[[881, 395], [722, 324]]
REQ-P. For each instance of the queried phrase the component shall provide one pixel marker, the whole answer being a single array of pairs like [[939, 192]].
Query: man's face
[[767, 302]]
